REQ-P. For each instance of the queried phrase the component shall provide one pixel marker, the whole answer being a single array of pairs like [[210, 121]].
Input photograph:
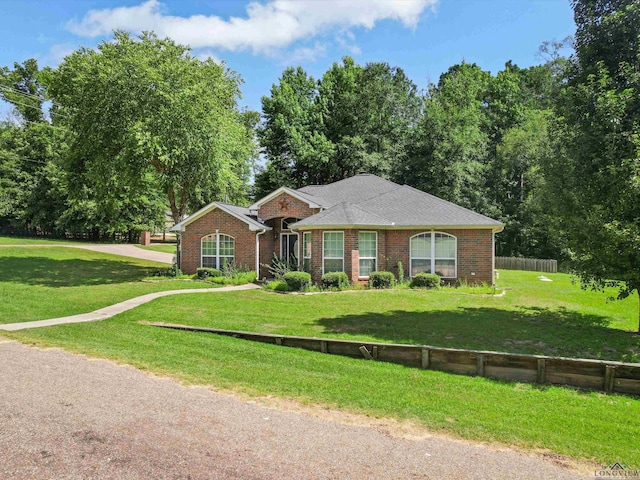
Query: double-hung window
[[368, 253], [433, 252], [332, 252], [217, 250]]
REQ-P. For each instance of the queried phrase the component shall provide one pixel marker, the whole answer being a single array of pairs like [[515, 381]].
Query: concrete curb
[[110, 311]]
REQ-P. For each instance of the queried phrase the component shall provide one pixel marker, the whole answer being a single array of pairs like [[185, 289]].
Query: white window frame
[[433, 252], [304, 250], [374, 258], [217, 255], [332, 258]]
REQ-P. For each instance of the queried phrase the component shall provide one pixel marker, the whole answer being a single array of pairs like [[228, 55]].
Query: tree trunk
[[176, 213]]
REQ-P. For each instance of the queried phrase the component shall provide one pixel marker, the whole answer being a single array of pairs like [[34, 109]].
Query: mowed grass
[[36, 284], [546, 318], [534, 317], [8, 240], [587, 426], [164, 248]]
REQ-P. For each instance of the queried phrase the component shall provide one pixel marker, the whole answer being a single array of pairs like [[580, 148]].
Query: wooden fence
[[530, 264], [610, 377]]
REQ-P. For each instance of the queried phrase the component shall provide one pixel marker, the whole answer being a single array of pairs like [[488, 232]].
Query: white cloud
[[304, 54], [267, 27], [207, 53], [58, 51]]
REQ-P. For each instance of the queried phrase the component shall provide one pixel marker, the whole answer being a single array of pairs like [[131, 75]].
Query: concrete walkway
[[110, 311], [124, 250]]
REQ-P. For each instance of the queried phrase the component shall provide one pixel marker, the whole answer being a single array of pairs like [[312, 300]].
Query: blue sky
[[259, 39]]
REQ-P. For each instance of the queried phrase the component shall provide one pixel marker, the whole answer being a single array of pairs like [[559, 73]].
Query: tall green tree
[[594, 172], [449, 151], [23, 87], [291, 136], [355, 118], [152, 126]]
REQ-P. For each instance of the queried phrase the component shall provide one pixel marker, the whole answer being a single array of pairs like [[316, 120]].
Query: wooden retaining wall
[[530, 264], [610, 377]]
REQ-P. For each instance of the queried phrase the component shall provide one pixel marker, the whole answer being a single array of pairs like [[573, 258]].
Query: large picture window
[[332, 252], [306, 251], [217, 250], [434, 252], [368, 253]]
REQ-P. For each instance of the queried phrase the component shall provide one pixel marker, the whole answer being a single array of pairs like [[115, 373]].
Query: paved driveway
[[127, 251], [66, 416], [124, 250]]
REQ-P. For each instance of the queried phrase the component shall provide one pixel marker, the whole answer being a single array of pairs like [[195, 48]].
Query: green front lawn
[[164, 248], [546, 318], [588, 426], [534, 317], [52, 282]]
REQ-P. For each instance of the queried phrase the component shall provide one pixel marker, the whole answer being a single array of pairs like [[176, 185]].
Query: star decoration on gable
[[283, 203]]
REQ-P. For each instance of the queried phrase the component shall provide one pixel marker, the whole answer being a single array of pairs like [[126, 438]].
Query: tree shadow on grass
[[540, 331], [49, 272]]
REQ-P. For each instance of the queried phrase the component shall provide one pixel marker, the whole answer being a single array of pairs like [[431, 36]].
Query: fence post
[[425, 358], [609, 378], [480, 365], [540, 378]]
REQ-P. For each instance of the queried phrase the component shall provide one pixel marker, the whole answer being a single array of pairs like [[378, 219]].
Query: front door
[[289, 246]]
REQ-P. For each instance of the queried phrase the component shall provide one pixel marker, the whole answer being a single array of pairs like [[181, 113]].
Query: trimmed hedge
[[204, 272], [381, 279], [337, 280], [297, 280], [425, 280]]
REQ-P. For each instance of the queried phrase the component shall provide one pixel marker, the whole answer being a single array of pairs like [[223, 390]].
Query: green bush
[[425, 280], [203, 273], [237, 279], [381, 279], [337, 280], [297, 280], [164, 272], [277, 286]]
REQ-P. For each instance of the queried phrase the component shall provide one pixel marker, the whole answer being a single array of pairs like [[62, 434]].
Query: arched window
[[434, 252], [286, 222], [217, 250]]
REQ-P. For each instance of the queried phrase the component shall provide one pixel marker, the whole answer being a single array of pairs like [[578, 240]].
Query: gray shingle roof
[[344, 214], [352, 190], [368, 200], [241, 213]]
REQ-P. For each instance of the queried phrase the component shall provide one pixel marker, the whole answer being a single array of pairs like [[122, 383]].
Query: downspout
[[493, 258], [493, 252], [258, 252], [178, 251]]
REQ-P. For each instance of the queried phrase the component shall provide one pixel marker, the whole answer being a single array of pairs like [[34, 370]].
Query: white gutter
[[493, 258], [264, 230]]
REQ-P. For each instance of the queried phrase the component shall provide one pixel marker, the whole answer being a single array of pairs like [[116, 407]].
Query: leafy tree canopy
[[594, 173], [152, 126]]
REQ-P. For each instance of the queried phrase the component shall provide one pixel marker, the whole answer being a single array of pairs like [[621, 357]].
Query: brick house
[[357, 225]]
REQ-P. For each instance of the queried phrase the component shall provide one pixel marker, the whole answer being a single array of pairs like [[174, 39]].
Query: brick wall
[[245, 240], [474, 253], [284, 205]]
